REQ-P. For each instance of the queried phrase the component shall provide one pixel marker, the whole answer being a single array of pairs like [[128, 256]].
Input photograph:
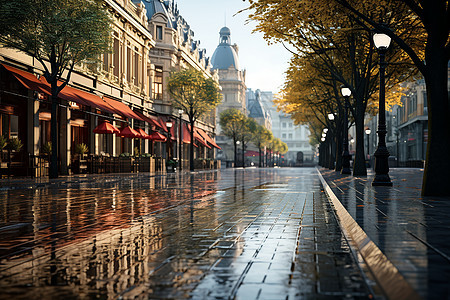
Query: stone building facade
[[127, 88], [232, 81]]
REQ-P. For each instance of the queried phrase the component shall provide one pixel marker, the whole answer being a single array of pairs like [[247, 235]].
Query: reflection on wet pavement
[[245, 234], [411, 230]]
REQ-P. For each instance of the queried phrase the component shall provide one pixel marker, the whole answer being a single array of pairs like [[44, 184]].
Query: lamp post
[[236, 158], [330, 158], [180, 139], [381, 42], [368, 131], [346, 92], [169, 137]]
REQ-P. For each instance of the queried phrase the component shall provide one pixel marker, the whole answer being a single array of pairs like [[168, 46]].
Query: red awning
[[162, 123], [158, 137], [149, 119], [173, 132], [122, 109], [208, 138], [106, 127], [143, 134], [199, 138], [129, 132], [28, 80], [186, 134], [69, 93]]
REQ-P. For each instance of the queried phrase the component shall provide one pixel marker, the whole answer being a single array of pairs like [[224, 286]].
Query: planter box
[[147, 164], [199, 164], [79, 166], [125, 164]]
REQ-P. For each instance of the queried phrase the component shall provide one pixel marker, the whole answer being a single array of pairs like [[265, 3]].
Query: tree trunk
[[53, 170], [260, 158], [332, 152], [191, 154], [359, 163], [339, 148], [436, 176], [243, 154]]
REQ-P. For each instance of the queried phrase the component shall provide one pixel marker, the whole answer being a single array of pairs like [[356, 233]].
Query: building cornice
[[128, 18], [416, 119]]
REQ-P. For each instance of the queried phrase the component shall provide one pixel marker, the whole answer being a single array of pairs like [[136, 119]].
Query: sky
[[265, 65]]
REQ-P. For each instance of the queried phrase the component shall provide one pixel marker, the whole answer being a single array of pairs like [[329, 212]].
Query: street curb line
[[387, 276]]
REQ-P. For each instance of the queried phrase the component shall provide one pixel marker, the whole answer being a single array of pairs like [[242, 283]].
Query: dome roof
[[225, 31], [225, 55]]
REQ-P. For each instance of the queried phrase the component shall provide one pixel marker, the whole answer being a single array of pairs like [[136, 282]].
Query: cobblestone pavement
[[231, 234], [412, 231]]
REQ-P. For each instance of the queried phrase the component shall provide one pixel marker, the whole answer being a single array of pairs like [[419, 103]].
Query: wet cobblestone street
[[231, 234]]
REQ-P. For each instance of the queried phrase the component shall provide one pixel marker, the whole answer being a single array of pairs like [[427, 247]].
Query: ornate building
[[232, 80], [175, 48], [126, 89]]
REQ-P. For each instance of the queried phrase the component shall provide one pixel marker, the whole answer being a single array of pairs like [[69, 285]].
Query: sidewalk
[[230, 234], [411, 231]]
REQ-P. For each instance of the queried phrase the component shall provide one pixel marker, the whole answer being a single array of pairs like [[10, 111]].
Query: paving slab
[[411, 231], [229, 234]]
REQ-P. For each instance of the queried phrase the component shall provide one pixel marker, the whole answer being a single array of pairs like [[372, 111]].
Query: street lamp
[[368, 131], [331, 117], [346, 92], [180, 138], [169, 137], [382, 42], [325, 130]]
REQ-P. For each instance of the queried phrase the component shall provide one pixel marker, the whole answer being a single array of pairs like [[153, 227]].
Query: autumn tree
[[421, 30], [339, 46], [231, 121], [197, 95], [59, 34], [248, 128], [261, 136]]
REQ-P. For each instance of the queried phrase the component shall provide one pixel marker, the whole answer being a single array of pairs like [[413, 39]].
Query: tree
[[59, 34], [194, 94], [261, 136], [421, 30], [339, 47], [231, 122], [248, 128], [433, 17]]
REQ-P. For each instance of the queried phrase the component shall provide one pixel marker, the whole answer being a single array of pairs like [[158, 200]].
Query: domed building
[[232, 80]]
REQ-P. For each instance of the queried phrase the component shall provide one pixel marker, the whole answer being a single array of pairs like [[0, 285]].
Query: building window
[[283, 125], [129, 63], [283, 136], [9, 125], [106, 62], [159, 32], [157, 88], [290, 125], [116, 56], [290, 136], [137, 68]]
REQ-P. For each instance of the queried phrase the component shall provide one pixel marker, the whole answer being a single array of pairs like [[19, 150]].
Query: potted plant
[[80, 164], [14, 146], [81, 149]]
